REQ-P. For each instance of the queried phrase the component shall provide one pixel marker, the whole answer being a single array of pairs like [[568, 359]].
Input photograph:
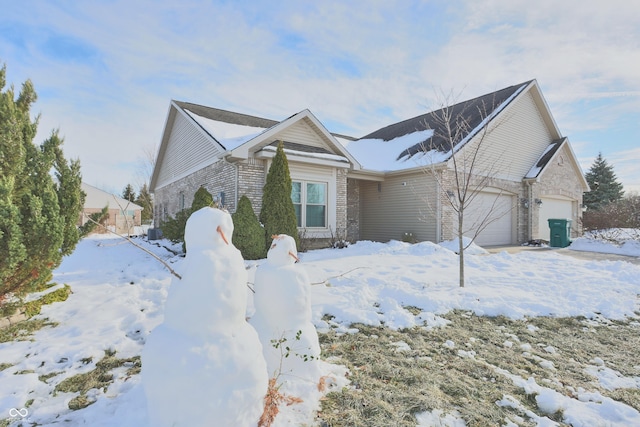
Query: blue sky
[[105, 71]]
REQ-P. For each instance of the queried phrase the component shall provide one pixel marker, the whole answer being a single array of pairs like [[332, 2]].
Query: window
[[310, 202]]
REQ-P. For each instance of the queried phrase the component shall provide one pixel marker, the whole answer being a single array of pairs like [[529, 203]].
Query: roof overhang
[[255, 145], [269, 152]]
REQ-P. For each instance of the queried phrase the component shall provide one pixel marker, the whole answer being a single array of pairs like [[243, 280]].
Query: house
[[124, 216], [398, 179]]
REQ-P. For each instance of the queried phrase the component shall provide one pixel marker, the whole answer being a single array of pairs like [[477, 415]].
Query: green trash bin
[[560, 232]]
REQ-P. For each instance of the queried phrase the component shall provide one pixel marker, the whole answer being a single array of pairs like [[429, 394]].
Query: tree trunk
[[461, 248]]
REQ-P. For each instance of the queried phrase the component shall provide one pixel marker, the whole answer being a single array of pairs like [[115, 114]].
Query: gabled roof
[[547, 157], [227, 116], [241, 134], [98, 199], [474, 112]]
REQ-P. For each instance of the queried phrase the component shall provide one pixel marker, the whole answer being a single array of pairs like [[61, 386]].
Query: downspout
[[530, 210]]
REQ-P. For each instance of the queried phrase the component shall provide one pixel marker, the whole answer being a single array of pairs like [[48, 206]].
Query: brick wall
[[216, 178], [353, 209]]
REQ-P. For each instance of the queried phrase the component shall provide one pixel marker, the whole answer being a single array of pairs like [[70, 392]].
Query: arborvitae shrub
[[201, 199], [173, 228], [248, 234], [278, 214]]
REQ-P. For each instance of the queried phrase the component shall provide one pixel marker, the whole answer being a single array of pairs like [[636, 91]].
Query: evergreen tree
[[201, 199], [144, 199], [128, 193], [278, 214], [604, 184], [248, 234], [37, 214]]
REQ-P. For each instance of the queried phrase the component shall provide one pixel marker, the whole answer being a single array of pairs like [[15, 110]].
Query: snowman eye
[[273, 246]]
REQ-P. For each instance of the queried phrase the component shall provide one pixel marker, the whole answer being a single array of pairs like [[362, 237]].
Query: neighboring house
[[393, 181], [124, 216]]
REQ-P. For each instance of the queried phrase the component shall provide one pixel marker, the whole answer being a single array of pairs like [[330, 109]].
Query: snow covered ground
[[119, 293]]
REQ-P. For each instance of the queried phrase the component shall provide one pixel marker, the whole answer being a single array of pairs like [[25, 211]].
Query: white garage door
[[553, 208], [497, 208]]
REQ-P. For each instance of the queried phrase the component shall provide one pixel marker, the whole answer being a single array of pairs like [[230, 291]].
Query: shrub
[[248, 234], [624, 213], [278, 214], [173, 228]]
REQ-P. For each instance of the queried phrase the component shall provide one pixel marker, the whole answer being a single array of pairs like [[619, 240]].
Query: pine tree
[[37, 214], [128, 193], [248, 234], [604, 184], [145, 200], [278, 214]]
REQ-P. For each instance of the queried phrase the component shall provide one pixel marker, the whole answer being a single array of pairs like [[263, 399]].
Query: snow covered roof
[[228, 128], [545, 158], [410, 143], [423, 138], [380, 155], [98, 199]]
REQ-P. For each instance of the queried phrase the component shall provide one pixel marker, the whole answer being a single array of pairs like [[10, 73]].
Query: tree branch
[[139, 247]]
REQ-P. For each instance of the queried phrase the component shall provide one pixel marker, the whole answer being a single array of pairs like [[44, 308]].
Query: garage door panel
[[552, 208], [493, 212]]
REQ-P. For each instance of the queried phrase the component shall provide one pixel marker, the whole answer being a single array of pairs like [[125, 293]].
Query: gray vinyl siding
[[187, 151], [516, 142], [389, 209]]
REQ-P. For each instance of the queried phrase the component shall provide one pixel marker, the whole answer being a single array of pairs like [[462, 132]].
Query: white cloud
[[358, 65]]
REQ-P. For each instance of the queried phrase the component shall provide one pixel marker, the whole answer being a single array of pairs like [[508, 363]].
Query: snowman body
[[283, 315], [204, 365]]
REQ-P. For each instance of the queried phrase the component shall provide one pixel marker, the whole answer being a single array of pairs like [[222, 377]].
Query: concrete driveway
[[590, 256]]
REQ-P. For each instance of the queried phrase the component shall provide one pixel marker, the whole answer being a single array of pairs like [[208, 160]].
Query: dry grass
[[22, 331], [390, 386], [99, 378]]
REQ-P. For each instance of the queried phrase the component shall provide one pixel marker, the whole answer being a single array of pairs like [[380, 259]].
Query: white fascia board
[[301, 158]]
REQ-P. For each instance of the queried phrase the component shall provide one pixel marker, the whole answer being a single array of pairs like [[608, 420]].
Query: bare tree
[[144, 170], [145, 164], [461, 132]]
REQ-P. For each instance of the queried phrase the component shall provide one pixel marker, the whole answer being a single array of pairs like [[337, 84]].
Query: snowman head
[[283, 250], [208, 228]]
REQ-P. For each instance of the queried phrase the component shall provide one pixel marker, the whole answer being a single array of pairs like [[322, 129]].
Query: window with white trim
[[310, 202]]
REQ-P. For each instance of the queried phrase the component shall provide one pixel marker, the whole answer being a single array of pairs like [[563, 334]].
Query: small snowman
[[283, 315], [204, 365]]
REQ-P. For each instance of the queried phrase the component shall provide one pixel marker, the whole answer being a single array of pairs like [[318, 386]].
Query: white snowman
[[283, 315], [204, 365]]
